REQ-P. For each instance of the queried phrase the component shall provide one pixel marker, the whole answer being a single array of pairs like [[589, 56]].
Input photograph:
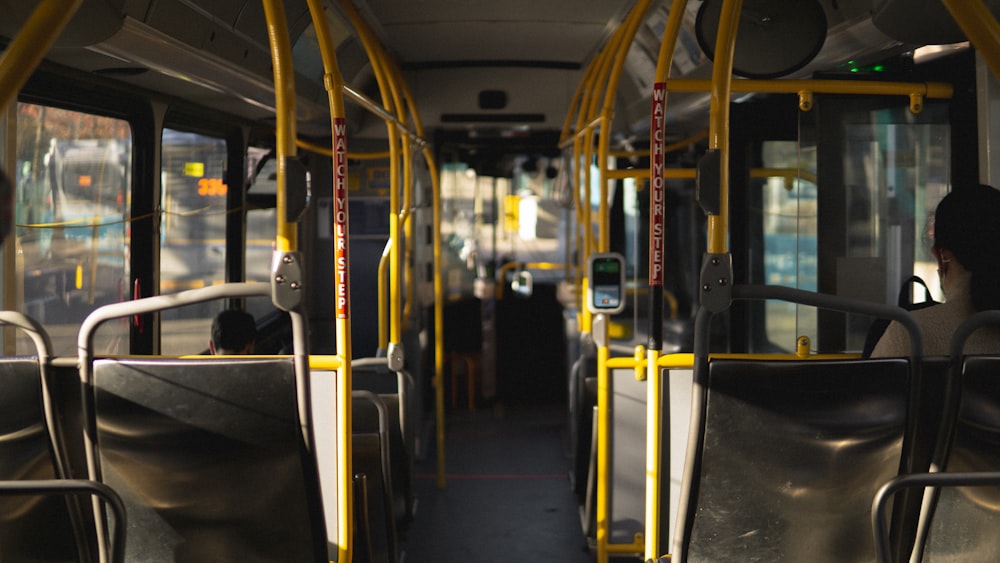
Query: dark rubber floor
[[507, 496]]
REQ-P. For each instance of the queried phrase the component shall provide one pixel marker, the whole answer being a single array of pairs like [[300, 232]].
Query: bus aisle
[[508, 494]]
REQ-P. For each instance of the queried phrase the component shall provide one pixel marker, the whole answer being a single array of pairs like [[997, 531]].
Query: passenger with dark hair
[[233, 332], [967, 249]]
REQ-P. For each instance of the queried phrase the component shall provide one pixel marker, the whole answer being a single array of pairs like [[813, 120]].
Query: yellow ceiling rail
[[333, 82], [915, 91], [31, 43], [326, 151], [691, 173]]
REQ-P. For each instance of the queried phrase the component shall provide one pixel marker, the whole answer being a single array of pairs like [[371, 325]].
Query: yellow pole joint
[[805, 100]]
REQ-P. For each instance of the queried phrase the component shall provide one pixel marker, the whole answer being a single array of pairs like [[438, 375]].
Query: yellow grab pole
[[383, 296], [333, 81], [718, 129], [654, 383], [31, 43], [979, 25], [438, 327]]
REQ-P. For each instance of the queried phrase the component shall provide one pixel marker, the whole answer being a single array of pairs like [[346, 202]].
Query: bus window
[[192, 231], [71, 202]]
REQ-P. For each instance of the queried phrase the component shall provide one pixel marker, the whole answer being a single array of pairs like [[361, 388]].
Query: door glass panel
[[896, 170], [790, 227]]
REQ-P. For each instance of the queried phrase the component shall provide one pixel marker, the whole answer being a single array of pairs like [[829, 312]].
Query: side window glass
[[71, 211], [192, 233]]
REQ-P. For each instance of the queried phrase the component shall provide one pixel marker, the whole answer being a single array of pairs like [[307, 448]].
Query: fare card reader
[[606, 287]]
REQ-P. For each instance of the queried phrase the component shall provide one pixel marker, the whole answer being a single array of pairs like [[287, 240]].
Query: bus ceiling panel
[[527, 91], [486, 29], [204, 64]]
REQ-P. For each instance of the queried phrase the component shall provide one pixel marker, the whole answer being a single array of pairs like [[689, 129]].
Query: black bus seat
[[35, 527], [208, 457], [793, 453], [372, 458], [784, 456]]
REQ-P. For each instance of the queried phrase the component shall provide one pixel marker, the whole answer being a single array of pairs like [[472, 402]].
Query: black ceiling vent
[[492, 99], [774, 38]]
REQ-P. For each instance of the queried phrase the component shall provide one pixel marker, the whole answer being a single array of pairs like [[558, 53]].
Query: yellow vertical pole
[[654, 383], [333, 82]]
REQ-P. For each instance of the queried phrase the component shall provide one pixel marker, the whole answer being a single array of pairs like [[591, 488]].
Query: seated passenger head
[[233, 332], [967, 239]]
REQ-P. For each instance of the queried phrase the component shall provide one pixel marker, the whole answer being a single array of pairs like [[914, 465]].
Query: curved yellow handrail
[[284, 99], [31, 44], [979, 25]]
